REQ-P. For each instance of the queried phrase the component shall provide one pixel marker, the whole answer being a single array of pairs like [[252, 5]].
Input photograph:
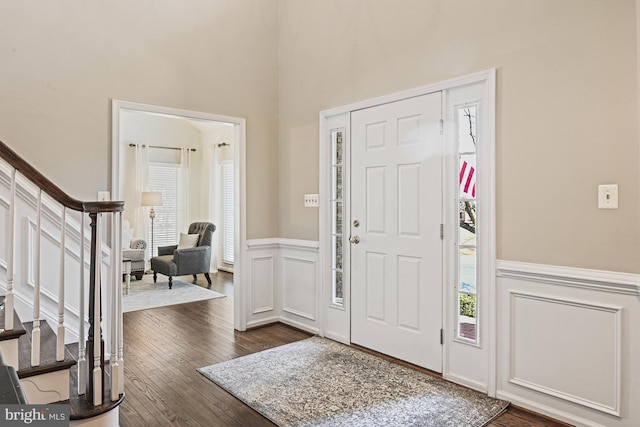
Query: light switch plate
[[104, 196], [608, 196], [310, 200]]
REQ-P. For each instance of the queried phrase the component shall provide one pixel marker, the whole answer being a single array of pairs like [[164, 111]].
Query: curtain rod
[[164, 148]]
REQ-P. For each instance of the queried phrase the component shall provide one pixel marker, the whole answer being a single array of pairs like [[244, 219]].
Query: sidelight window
[[467, 301], [337, 213]]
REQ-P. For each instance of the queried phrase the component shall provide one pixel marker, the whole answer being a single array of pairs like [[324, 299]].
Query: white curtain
[[141, 183], [183, 193]]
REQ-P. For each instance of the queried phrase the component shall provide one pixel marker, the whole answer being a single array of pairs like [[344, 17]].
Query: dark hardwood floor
[[164, 347]]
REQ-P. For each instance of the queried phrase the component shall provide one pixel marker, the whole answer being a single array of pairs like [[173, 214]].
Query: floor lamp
[[151, 198]]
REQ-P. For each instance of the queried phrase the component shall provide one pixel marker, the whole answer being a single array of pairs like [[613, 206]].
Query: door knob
[[354, 239]]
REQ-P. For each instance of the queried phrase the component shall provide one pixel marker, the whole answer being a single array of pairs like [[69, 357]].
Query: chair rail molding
[[599, 280]]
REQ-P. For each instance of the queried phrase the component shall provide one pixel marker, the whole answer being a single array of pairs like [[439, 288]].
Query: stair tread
[[80, 408], [18, 329], [48, 345]]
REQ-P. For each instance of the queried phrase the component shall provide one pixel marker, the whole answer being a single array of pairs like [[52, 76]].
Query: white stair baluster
[[61, 328], [97, 369], [116, 269], [35, 333], [9, 298], [82, 361], [120, 344]]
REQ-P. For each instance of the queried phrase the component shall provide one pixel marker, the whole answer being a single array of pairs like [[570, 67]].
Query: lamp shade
[[151, 198]]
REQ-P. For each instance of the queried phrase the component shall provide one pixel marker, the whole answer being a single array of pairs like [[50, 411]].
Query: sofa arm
[[166, 250], [138, 244]]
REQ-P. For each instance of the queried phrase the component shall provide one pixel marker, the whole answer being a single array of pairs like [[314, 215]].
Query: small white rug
[[144, 294]]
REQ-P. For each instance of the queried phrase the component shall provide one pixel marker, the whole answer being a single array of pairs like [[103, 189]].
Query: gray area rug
[[319, 382], [144, 294]]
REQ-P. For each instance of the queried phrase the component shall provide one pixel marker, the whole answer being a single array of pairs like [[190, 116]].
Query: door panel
[[396, 196]]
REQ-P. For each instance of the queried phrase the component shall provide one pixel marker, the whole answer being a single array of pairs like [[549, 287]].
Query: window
[[227, 232], [165, 178], [337, 235], [467, 313]]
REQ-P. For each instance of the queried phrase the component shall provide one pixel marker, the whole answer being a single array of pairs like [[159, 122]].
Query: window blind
[[165, 178], [227, 213]]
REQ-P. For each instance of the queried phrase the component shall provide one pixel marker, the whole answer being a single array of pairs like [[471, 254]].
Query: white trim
[[277, 243], [330, 120], [339, 118], [475, 385], [261, 322], [490, 245], [547, 410], [595, 280], [298, 325], [239, 159], [257, 244], [487, 75]]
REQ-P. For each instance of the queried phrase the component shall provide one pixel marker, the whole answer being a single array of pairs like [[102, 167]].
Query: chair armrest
[[167, 250], [197, 251], [192, 260]]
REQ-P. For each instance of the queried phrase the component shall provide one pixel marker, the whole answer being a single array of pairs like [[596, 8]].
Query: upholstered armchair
[[136, 253], [192, 255]]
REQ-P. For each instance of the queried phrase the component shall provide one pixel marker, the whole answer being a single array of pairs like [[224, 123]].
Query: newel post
[[95, 315]]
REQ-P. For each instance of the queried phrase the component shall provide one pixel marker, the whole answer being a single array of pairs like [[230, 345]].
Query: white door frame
[[239, 159], [335, 320]]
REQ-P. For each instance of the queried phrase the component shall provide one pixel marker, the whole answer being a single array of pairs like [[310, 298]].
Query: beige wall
[[62, 61], [566, 108], [567, 97]]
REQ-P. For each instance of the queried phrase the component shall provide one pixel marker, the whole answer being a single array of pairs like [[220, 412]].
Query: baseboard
[[262, 322], [298, 325], [337, 337], [466, 382], [546, 410]]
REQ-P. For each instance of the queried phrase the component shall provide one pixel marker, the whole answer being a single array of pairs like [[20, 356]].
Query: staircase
[[51, 324]]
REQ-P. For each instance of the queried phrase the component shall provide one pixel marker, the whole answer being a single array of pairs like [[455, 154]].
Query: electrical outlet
[[104, 196], [310, 200]]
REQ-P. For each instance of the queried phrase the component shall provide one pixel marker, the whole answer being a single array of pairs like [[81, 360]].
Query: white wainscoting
[[262, 284], [282, 283], [569, 343]]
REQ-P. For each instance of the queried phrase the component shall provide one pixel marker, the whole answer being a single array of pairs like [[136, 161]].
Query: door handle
[[354, 239]]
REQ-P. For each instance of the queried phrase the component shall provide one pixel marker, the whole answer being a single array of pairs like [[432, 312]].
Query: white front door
[[396, 216]]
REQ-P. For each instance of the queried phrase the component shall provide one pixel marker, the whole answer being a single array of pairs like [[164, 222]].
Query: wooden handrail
[[103, 206], [94, 350], [29, 172], [37, 178]]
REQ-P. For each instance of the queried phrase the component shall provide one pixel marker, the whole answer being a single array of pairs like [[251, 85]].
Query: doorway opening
[[196, 161]]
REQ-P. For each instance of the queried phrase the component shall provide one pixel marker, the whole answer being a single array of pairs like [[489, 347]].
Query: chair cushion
[[133, 254], [188, 241]]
